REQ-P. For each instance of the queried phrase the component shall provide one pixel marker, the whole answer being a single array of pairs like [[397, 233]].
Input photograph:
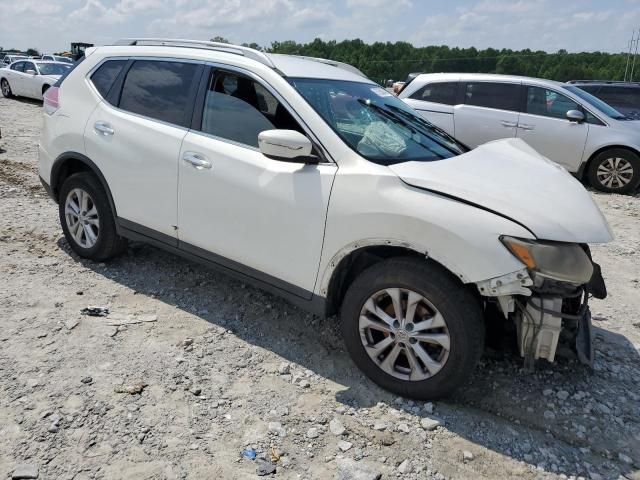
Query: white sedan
[[30, 78]]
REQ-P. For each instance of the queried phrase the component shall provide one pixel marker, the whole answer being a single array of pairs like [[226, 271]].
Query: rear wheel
[[412, 328], [615, 171], [87, 219], [6, 88]]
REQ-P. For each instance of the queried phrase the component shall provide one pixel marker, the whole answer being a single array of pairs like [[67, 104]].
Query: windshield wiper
[[386, 113], [430, 126]]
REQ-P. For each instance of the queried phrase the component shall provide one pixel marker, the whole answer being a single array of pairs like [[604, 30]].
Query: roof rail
[[202, 44], [334, 63]]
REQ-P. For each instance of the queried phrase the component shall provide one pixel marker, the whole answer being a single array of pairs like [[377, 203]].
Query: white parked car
[[56, 58], [563, 122], [309, 180], [30, 78], [9, 59]]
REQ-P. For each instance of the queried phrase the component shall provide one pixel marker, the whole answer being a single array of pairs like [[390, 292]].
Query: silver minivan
[[588, 137]]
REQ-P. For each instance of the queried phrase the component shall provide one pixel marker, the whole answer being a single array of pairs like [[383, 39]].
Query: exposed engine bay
[[547, 310]]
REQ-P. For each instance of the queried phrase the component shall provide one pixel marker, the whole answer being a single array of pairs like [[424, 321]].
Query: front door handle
[[196, 160], [524, 126], [103, 128], [508, 124]]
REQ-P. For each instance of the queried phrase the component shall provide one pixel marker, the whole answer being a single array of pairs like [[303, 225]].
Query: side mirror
[[30, 72], [575, 116], [286, 145]]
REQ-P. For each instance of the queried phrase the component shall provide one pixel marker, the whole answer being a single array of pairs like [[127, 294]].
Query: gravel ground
[[190, 368]]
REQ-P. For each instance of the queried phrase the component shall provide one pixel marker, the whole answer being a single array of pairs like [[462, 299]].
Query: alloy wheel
[[615, 172], [404, 334], [82, 218], [6, 90]]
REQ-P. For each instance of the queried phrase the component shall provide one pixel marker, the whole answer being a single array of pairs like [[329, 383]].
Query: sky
[[550, 25]]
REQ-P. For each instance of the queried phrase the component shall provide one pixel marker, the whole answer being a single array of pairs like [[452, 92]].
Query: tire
[[6, 88], [616, 170], [97, 239], [459, 309], [45, 87]]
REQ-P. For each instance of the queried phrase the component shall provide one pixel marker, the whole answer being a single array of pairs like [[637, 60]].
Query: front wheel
[[615, 171], [412, 328]]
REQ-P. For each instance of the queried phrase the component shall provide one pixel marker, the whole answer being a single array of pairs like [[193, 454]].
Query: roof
[[420, 80], [306, 67], [604, 83], [487, 77], [288, 65]]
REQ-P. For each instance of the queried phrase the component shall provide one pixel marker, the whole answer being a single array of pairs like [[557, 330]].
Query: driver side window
[[548, 103], [238, 108]]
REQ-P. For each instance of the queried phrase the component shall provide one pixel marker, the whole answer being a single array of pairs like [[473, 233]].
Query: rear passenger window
[[504, 96], [159, 90], [237, 108], [548, 103], [438, 93], [104, 77]]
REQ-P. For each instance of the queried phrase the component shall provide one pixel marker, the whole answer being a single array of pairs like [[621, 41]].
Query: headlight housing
[[564, 262]]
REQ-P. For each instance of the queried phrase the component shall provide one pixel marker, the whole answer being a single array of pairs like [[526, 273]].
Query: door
[[136, 142], [256, 215], [32, 85], [16, 77], [543, 124], [435, 102], [489, 112]]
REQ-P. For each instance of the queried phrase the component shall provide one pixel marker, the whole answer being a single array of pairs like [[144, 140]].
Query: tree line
[[381, 61], [386, 60]]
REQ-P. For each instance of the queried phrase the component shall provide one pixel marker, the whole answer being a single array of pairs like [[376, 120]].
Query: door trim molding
[[300, 297]]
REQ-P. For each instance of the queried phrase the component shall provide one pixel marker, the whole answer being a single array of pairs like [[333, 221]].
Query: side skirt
[[302, 298]]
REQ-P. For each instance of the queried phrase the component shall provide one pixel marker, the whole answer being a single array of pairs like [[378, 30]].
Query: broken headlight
[[564, 262]]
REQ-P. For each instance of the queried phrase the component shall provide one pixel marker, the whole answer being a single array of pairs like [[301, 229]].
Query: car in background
[[623, 96], [57, 58], [566, 124], [30, 78], [9, 59]]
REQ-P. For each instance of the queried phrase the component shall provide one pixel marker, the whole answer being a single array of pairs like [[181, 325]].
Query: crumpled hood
[[511, 178]]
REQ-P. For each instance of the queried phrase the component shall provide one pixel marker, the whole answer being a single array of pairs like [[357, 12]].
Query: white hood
[[511, 178]]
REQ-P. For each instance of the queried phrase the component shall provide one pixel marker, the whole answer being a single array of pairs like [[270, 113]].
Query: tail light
[[51, 100]]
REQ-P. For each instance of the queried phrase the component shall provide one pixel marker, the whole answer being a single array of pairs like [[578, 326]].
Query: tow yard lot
[[190, 368]]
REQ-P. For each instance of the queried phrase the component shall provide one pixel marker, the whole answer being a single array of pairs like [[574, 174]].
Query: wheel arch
[[586, 165], [69, 163], [346, 265]]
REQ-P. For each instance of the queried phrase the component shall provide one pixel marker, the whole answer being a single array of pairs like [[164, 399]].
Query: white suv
[[563, 122], [306, 178]]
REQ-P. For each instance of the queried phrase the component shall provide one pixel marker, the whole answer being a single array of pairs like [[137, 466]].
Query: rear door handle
[[196, 160], [524, 126], [507, 124], [103, 128]]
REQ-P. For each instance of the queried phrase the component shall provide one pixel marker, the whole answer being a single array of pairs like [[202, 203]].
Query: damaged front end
[[548, 300]]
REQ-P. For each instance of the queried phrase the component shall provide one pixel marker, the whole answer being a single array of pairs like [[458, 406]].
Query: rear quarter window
[[105, 76]]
